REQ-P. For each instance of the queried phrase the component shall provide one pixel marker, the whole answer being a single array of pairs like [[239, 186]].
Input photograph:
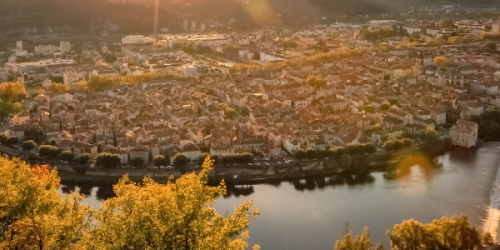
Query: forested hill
[[32, 17]]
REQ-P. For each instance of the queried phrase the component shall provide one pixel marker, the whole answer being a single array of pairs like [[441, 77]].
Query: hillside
[[69, 17]]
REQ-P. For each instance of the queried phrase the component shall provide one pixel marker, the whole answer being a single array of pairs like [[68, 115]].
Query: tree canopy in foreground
[[176, 215]]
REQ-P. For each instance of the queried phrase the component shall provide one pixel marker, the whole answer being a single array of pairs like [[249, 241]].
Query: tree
[[406, 143], [11, 140], [354, 149], [310, 153], [66, 155], [300, 154], [488, 239], [408, 235], [444, 233], [336, 152], [227, 158], [398, 144], [180, 160], [34, 132], [361, 242], [491, 46], [28, 145], [83, 158], [456, 39], [445, 23], [177, 214], [344, 51], [389, 145], [431, 140], [230, 113], [8, 108], [160, 160], [316, 81], [244, 158], [345, 161], [215, 158], [110, 57], [370, 148], [440, 60], [58, 88], [108, 160], [33, 215], [12, 91], [48, 151], [137, 162], [36, 92], [201, 158]]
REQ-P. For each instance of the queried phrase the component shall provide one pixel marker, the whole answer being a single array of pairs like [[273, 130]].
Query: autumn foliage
[[176, 215], [32, 213]]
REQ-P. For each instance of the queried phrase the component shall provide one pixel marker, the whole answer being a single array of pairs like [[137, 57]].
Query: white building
[[210, 40], [137, 39], [464, 134], [45, 49], [72, 77], [189, 71], [413, 30], [4, 75], [192, 151], [64, 48], [268, 57], [151, 54]]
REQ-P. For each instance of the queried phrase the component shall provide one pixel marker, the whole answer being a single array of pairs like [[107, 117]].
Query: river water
[[311, 213]]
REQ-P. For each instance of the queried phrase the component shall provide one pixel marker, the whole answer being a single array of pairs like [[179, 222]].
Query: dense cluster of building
[[391, 90]]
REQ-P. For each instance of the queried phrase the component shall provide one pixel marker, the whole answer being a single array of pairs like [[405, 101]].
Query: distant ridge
[[18, 17]]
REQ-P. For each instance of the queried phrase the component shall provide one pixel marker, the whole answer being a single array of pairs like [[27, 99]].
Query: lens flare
[[491, 222], [260, 11], [425, 166], [156, 16]]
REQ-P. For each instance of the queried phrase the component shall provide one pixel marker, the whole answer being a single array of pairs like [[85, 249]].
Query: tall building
[[464, 134], [65, 47], [19, 45], [137, 39], [495, 28], [45, 49]]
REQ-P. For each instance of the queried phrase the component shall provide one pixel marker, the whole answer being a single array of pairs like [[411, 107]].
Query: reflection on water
[[311, 183], [309, 213]]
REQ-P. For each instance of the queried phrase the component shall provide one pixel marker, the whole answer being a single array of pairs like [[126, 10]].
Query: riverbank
[[241, 174], [238, 175]]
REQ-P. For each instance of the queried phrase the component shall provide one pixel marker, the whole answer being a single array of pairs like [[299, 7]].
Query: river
[[311, 214]]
